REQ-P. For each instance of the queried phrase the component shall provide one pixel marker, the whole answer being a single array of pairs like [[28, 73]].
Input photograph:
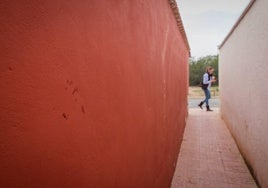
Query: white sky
[[207, 22]]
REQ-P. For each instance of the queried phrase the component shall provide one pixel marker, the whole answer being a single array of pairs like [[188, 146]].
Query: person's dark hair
[[209, 68]]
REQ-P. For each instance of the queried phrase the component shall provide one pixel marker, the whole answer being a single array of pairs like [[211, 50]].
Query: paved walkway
[[209, 157]]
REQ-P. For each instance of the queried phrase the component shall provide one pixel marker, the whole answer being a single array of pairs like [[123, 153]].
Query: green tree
[[198, 67]]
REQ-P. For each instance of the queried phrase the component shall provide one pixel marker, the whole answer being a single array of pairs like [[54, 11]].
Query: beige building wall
[[243, 66]]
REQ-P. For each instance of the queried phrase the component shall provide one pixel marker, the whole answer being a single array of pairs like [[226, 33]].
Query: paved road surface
[[192, 103]]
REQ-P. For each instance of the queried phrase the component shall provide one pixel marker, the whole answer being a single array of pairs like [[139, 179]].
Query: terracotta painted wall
[[243, 79], [93, 93]]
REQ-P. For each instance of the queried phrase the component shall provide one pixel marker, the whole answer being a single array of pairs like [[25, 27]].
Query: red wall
[[93, 93]]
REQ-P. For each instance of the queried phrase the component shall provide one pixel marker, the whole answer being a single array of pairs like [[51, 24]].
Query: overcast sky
[[207, 22]]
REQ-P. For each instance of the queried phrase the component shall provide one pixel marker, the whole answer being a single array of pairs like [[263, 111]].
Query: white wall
[[243, 72]]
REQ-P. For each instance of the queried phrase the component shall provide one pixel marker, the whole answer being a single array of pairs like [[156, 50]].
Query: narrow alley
[[209, 156], [95, 94]]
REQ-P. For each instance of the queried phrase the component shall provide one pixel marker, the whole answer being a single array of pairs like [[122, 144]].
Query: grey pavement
[[214, 102]]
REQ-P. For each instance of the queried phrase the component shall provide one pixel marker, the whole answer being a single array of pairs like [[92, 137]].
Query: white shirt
[[206, 81]]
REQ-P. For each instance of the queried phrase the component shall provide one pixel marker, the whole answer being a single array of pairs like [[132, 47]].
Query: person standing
[[207, 80]]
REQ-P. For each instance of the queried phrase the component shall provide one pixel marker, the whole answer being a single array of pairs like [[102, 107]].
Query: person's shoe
[[208, 109], [200, 105]]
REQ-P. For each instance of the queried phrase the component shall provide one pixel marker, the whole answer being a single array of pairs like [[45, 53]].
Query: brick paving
[[209, 157]]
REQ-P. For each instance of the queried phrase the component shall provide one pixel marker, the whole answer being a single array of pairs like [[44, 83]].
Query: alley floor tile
[[209, 156]]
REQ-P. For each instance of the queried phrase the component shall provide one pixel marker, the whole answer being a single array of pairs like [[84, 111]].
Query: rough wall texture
[[93, 93], [243, 85]]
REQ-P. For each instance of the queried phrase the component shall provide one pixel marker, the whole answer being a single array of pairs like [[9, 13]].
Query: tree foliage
[[198, 67]]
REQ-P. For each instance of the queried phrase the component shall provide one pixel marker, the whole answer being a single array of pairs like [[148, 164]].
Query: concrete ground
[[209, 157], [193, 102]]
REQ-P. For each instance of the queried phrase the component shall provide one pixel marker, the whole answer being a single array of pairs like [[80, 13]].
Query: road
[[192, 103]]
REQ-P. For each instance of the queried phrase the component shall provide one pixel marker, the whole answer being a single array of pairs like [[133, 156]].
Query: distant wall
[[93, 93], [243, 87]]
